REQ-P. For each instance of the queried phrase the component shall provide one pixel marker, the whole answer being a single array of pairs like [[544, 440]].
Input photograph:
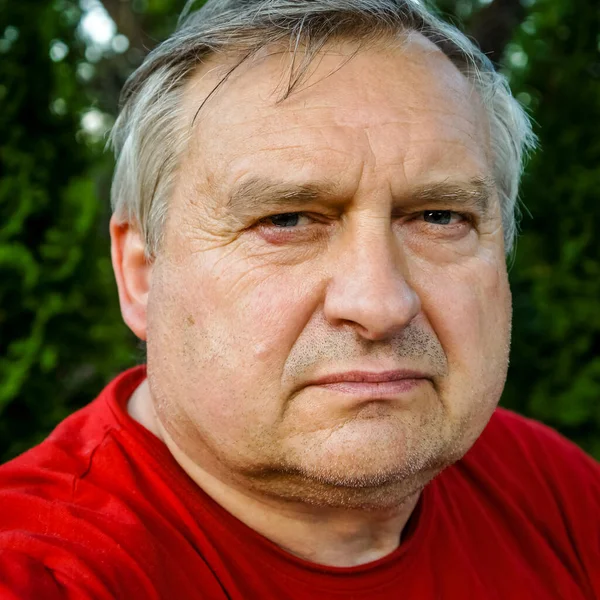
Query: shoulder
[[534, 455], [525, 465], [527, 444], [58, 525], [67, 453], [525, 491]]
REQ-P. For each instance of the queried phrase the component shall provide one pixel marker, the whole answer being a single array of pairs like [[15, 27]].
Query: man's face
[[386, 255]]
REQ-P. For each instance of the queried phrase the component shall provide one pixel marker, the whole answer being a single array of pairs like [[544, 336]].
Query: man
[[313, 201]]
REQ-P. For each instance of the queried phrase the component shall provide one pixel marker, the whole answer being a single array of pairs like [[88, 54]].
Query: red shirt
[[101, 510]]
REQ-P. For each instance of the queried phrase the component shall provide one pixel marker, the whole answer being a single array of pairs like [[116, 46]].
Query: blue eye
[[438, 217], [285, 220]]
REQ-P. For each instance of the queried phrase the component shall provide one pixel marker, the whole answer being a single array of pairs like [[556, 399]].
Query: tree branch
[[129, 24], [494, 26]]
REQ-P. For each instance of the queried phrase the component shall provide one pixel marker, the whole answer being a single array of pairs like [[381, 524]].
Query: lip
[[369, 385], [370, 377]]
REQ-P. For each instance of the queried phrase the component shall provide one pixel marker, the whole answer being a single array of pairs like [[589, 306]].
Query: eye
[[285, 220], [442, 217]]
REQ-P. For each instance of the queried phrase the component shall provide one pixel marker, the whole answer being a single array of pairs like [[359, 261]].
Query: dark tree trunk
[[494, 26], [129, 24]]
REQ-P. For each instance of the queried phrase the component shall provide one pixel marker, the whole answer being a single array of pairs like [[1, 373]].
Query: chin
[[364, 468], [352, 491]]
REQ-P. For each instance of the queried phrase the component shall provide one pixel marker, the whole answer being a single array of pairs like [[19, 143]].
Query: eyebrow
[[477, 192], [257, 194]]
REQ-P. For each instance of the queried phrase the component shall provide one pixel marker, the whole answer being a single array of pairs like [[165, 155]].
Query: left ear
[[132, 272]]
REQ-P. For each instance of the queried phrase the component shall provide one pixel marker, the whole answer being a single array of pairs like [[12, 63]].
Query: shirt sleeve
[[42, 565], [23, 577], [572, 482]]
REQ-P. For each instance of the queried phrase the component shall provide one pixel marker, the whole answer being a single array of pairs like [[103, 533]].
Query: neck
[[329, 536]]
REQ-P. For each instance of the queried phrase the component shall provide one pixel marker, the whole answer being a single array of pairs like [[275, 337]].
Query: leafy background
[[61, 335]]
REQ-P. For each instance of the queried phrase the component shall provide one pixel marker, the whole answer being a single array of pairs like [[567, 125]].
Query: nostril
[[377, 309]]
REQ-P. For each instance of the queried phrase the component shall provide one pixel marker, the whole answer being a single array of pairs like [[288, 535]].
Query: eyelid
[[301, 233], [313, 217], [469, 217], [459, 213], [412, 214]]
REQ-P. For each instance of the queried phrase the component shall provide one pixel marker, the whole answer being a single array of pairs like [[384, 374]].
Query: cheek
[[228, 328], [264, 309], [468, 307]]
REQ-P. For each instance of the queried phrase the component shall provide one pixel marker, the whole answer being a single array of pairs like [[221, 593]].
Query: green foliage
[[553, 64], [555, 373], [60, 332]]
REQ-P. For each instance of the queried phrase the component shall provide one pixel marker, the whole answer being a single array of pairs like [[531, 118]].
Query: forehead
[[403, 107]]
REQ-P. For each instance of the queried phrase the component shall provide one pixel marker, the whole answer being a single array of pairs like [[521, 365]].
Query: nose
[[369, 289]]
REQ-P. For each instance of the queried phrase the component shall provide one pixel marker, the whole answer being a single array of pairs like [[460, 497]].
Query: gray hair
[[151, 135]]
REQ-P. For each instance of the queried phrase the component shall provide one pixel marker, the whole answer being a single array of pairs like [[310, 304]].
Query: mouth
[[369, 385]]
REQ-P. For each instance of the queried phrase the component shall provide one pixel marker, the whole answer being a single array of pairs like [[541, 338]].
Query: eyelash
[[466, 217], [306, 234]]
